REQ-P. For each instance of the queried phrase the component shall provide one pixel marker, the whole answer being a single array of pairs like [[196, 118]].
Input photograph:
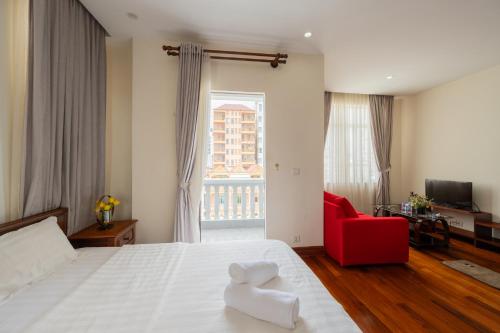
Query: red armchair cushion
[[346, 206], [330, 197]]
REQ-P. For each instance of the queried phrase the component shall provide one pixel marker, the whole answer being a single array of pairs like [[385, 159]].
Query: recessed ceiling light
[[132, 16], [308, 34], [389, 77]]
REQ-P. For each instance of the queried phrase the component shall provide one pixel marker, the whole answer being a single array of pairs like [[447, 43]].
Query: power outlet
[[296, 239]]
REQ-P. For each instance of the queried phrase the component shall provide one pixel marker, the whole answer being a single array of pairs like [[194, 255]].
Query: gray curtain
[[188, 98], [65, 111], [381, 123], [328, 107]]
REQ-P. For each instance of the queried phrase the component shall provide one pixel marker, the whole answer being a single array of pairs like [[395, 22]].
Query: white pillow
[[31, 253]]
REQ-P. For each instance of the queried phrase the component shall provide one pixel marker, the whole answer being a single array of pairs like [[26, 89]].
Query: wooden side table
[[122, 232]]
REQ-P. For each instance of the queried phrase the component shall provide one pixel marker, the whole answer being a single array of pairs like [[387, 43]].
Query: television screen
[[449, 193]]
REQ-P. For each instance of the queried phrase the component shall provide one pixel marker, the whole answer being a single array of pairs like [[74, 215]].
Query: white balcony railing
[[228, 203]]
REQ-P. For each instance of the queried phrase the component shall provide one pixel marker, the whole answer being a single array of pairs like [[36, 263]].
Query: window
[[349, 157]]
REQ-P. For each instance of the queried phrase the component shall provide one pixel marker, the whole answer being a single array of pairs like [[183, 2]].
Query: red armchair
[[353, 238]]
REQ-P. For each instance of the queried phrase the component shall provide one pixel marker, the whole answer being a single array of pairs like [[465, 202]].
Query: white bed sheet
[[31, 303], [179, 288]]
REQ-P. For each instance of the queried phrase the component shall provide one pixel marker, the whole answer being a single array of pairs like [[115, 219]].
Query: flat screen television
[[449, 193]]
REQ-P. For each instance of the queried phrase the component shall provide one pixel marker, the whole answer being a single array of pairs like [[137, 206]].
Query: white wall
[[119, 125], [294, 138], [452, 132]]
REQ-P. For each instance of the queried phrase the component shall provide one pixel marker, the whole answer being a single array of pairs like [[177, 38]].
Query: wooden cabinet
[[122, 232]]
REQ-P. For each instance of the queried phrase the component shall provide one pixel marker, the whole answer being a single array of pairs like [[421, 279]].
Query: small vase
[[106, 216], [105, 219], [421, 210]]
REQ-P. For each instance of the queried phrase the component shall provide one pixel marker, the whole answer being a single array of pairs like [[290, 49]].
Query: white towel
[[253, 272], [278, 307]]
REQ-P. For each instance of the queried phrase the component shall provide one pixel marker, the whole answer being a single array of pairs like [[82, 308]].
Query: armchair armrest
[[333, 215]]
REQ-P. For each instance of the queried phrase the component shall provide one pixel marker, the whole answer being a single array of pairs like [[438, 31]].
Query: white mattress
[[167, 288]]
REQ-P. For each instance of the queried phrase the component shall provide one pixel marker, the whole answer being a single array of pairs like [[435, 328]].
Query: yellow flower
[[107, 207], [117, 202], [111, 200], [102, 204]]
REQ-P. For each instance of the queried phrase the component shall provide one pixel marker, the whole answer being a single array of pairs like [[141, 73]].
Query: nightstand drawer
[[127, 238]]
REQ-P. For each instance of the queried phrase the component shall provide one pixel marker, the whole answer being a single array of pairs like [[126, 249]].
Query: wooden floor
[[421, 296]]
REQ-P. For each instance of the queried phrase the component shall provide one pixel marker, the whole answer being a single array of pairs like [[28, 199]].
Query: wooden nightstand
[[122, 232]]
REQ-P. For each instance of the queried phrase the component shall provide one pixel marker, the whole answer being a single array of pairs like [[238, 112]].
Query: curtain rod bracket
[[275, 62]]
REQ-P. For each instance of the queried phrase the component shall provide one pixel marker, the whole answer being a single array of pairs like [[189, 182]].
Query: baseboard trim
[[308, 251]]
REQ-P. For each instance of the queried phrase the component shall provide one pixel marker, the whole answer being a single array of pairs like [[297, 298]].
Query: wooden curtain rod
[[277, 58]]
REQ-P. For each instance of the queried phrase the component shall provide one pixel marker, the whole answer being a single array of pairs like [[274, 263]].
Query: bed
[[170, 287]]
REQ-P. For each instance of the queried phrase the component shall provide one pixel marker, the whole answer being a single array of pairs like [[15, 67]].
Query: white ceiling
[[421, 43]]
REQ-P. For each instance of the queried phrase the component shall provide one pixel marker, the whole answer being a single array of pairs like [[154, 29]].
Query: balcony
[[219, 139], [248, 158], [232, 209], [248, 140]]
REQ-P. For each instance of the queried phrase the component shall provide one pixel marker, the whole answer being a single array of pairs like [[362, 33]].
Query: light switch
[[276, 166]]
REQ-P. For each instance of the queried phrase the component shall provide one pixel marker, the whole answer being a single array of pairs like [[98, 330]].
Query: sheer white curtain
[[350, 168]]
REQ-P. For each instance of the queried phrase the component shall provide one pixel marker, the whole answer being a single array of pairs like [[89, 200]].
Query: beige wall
[[294, 137], [154, 89], [13, 46], [118, 125], [451, 132], [5, 123], [396, 157]]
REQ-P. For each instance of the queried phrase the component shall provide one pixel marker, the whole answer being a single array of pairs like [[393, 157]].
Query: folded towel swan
[[278, 307], [253, 272]]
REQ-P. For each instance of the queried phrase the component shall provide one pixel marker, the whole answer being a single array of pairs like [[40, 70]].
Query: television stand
[[483, 227]]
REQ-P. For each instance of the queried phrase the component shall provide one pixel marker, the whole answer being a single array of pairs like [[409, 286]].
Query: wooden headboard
[[60, 213]]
